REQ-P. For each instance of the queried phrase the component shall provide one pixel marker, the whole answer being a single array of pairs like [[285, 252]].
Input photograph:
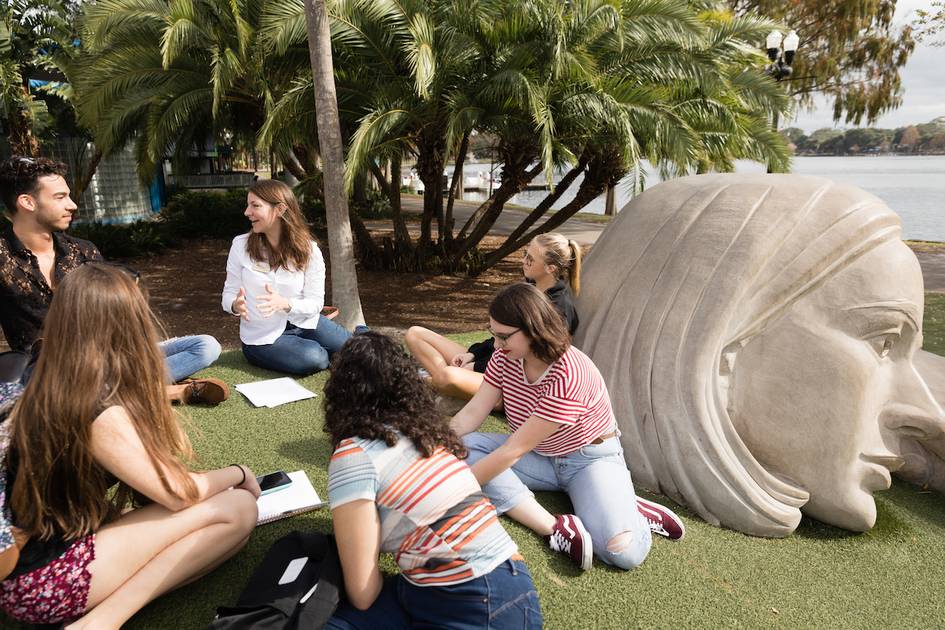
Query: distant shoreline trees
[[921, 139]]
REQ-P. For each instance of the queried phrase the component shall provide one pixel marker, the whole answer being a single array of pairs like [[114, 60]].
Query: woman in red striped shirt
[[564, 437]]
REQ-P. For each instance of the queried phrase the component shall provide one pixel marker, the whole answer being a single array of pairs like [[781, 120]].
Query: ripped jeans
[[594, 477]]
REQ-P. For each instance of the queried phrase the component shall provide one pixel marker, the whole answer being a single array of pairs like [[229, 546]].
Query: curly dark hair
[[374, 389], [20, 175]]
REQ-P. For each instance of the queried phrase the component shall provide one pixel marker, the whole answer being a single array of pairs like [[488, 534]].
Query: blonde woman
[[553, 264], [92, 430]]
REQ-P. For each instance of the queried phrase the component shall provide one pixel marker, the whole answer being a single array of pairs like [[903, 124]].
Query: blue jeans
[[299, 350], [504, 599], [186, 355], [594, 477]]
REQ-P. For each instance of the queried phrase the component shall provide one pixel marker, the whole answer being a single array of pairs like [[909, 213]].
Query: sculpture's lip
[[879, 466], [889, 461]]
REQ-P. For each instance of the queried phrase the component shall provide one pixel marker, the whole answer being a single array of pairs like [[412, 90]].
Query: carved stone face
[[816, 396]]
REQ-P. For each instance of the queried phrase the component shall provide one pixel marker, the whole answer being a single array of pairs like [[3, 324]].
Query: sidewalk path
[[584, 232], [931, 258]]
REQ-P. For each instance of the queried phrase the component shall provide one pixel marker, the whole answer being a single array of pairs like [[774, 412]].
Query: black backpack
[[265, 604]]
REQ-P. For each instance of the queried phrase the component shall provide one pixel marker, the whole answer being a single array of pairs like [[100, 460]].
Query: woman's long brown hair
[[99, 350], [295, 243], [525, 307]]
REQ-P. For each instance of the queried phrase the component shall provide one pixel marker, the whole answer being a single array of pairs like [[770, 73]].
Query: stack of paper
[[274, 392], [297, 498]]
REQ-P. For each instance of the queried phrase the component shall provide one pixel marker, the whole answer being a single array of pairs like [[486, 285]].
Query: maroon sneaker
[[570, 537], [662, 520]]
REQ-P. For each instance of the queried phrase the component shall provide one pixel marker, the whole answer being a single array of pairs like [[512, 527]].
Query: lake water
[[912, 186]]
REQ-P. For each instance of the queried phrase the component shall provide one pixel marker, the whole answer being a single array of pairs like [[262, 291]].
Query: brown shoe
[[211, 391]]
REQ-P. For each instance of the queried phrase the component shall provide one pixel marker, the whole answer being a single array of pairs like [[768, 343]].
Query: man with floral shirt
[[35, 254]]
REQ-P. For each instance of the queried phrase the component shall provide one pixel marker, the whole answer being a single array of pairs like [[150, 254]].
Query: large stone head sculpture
[[757, 335]]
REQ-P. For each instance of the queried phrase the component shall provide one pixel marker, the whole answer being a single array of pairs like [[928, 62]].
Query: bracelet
[[242, 470]]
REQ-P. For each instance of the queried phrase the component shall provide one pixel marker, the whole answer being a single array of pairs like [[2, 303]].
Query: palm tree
[[692, 100], [163, 75], [344, 278], [35, 36]]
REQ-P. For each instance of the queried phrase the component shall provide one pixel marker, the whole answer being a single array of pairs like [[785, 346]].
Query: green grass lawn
[[819, 577]]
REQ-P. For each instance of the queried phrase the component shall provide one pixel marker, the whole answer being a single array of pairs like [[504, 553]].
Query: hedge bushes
[[125, 240], [192, 214]]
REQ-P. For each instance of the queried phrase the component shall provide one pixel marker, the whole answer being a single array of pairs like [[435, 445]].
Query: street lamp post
[[781, 50]]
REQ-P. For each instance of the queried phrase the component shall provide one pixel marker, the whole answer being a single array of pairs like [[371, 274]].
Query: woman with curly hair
[[397, 483]]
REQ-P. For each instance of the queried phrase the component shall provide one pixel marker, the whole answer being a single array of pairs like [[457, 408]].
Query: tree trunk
[[514, 241], [431, 157], [380, 179], [83, 180], [300, 163], [391, 190], [20, 132], [486, 215], [456, 189], [344, 277], [610, 206]]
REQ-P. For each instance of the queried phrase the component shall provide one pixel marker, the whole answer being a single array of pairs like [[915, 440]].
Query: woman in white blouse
[[275, 283]]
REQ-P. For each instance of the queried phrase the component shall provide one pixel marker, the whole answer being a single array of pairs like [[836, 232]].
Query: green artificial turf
[[819, 577], [933, 323]]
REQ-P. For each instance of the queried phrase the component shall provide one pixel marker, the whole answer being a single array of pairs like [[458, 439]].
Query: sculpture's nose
[[912, 411]]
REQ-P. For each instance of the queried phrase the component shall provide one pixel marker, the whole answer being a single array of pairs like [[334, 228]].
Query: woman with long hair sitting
[[553, 264], [397, 483], [93, 430], [564, 437], [275, 283]]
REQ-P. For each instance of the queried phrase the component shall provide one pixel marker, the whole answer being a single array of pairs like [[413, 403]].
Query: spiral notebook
[[298, 498]]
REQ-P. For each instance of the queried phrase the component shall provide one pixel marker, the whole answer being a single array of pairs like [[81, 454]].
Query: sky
[[923, 81]]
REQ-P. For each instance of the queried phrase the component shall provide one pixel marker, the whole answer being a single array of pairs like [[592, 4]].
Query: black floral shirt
[[24, 293]]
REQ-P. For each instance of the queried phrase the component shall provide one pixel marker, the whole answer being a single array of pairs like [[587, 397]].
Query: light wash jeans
[[594, 477], [300, 351], [186, 355]]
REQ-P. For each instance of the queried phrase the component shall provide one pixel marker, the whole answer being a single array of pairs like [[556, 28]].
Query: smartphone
[[274, 481]]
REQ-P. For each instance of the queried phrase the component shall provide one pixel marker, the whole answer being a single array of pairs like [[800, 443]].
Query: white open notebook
[[298, 498]]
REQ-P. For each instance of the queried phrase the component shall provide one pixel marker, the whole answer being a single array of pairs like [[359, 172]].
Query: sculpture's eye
[[883, 344]]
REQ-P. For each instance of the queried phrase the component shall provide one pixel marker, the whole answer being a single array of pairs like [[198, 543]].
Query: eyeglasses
[[503, 337], [528, 258]]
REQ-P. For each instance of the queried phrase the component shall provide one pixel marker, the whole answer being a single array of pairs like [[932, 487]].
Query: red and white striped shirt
[[571, 392]]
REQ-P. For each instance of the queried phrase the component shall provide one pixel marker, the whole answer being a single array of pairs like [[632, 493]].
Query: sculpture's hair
[[527, 308], [295, 244], [731, 253], [565, 255]]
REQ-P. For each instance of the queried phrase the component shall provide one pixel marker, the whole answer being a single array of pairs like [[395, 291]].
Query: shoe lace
[[656, 526], [559, 542]]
